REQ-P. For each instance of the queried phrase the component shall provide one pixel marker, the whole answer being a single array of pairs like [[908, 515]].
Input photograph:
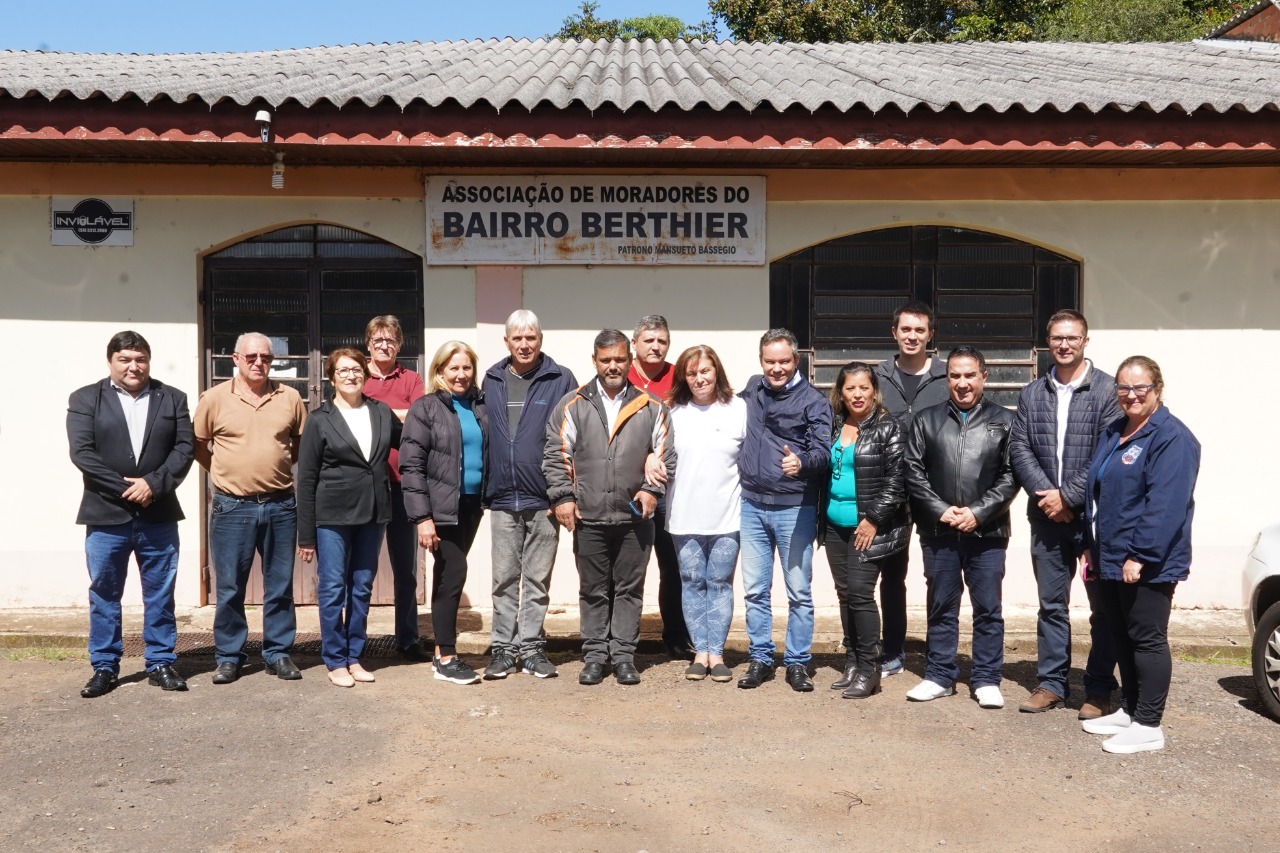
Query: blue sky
[[188, 26]]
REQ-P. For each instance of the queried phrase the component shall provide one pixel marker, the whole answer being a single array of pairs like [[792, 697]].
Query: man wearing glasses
[[247, 432], [1059, 420]]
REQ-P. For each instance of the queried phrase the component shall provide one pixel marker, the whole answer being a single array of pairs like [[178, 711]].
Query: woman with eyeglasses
[[864, 517], [344, 503], [1138, 508], [442, 474]]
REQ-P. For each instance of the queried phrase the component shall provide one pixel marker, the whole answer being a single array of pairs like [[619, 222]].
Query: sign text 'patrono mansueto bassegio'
[[595, 219]]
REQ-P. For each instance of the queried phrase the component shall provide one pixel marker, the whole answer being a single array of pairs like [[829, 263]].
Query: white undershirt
[[612, 406], [360, 422], [135, 415], [705, 497], [1065, 393]]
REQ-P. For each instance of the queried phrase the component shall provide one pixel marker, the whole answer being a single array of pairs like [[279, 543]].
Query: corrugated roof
[[1034, 76]]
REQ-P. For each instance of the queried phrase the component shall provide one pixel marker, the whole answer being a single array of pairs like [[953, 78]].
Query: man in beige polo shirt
[[247, 433]]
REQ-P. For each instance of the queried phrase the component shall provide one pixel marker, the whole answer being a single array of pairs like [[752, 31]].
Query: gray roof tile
[[629, 74]]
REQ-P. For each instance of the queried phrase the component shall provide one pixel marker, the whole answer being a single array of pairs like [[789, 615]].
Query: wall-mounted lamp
[[263, 118], [277, 172]]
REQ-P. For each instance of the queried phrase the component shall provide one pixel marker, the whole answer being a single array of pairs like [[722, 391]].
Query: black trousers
[[449, 574], [855, 582], [670, 589], [612, 559], [1138, 615], [893, 602]]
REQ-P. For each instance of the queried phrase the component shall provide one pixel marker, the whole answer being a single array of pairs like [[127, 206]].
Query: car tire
[[1266, 660]]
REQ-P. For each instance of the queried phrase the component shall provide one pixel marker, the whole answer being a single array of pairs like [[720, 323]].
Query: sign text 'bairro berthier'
[[595, 219]]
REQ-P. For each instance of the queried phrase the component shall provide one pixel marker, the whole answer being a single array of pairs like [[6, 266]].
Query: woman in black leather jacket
[[864, 516]]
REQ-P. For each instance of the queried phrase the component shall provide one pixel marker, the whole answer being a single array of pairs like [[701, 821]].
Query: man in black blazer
[[131, 438]]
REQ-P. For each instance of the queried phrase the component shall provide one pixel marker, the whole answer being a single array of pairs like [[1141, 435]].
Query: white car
[[1262, 612]]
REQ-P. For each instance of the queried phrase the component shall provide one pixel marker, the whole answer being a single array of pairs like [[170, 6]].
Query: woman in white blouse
[[344, 504], [704, 501]]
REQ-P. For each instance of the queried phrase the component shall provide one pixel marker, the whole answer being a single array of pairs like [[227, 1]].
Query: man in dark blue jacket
[[1060, 417], [131, 438], [521, 391], [783, 463]]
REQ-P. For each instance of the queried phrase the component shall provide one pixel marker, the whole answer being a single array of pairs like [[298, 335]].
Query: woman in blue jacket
[[1139, 506]]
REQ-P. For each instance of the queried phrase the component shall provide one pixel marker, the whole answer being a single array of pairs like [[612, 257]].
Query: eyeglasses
[[349, 371], [1070, 340], [251, 357], [1139, 391], [384, 342], [837, 462]]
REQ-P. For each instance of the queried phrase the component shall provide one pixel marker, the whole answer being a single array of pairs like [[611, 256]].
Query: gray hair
[[522, 318], [651, 323], [774, 335], [248, 336], [608, 338]]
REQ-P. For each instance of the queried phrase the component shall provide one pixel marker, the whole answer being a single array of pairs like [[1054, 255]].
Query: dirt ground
[[669, 765]]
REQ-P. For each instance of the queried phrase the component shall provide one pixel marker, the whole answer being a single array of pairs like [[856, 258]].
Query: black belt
[[261, 497]]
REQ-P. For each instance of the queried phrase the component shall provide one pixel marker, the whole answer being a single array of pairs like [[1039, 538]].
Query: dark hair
[[1149, 365], [651, 323], [968, 351], [390, 322], [915, 306], [774, 335], [331, 363], [1067, 315], [851, 369], [681, 394], [609, 338], [127, 340]]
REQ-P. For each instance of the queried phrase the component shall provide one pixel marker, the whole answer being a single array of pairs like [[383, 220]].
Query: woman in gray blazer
[[344, 504]]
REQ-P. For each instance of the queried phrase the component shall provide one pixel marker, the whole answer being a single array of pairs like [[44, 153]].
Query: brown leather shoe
[[1095, 707], [1040, 700]]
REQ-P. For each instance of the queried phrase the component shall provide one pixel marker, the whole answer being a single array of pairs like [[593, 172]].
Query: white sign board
[[595, 219], [91, 221]]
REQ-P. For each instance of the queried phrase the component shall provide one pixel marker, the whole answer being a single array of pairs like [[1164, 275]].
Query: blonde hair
[[443, 356]]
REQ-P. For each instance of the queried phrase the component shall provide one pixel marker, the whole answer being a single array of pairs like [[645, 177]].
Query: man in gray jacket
[[597, 440], [1060, 417]]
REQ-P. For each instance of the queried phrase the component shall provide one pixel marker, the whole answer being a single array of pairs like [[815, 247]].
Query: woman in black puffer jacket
[[864, 516]]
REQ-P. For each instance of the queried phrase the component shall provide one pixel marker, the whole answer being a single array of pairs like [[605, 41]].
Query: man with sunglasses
[[1060, 417], [247, 432]]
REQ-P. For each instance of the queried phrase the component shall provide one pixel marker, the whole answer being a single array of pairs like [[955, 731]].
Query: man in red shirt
[[650, 371]]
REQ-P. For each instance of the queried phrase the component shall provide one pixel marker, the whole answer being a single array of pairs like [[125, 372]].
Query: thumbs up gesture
[[790, 462]]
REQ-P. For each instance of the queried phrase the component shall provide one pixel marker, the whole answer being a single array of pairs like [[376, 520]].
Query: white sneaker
[[988, 696], [928, 690], [1135, 738], [1111, 724]]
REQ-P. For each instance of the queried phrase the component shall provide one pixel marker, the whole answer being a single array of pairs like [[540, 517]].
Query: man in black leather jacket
[[961, 484]]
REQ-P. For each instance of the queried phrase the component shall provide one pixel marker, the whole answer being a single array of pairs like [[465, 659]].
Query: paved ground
[[668, 765]]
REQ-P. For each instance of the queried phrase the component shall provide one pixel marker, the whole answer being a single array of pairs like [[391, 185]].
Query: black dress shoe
[[102, 683], [850, 668], [165, 678], [798, 678], [226, 673], [284, 669], [626, 673], [417, 652], [758, 672], [864, 684], [592, 673]]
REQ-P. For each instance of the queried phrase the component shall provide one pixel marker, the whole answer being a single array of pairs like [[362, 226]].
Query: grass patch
[[43, 652], [1222, 657]]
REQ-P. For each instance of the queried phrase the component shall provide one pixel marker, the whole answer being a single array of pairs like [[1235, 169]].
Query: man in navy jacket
[[130, 436], [521, 391], [783, 463]]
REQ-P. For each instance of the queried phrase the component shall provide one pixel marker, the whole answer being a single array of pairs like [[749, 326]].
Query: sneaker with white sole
[[893, 666], [928, 690], [1111, 724], [502, 665], [1135, 738], [537, 665], [455, 671], [988, 696]]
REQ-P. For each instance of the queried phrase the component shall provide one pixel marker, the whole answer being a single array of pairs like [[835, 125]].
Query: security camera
[[263, 118]]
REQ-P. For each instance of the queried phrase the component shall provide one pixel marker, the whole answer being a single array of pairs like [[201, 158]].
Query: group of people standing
[[653, 457]]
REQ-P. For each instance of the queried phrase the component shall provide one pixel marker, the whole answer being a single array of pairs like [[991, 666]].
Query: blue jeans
[[791, 531], [1055, 548], [347, 560], [402, 553], [241, 526], [950, 563], [706, 581], [107, 549]]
